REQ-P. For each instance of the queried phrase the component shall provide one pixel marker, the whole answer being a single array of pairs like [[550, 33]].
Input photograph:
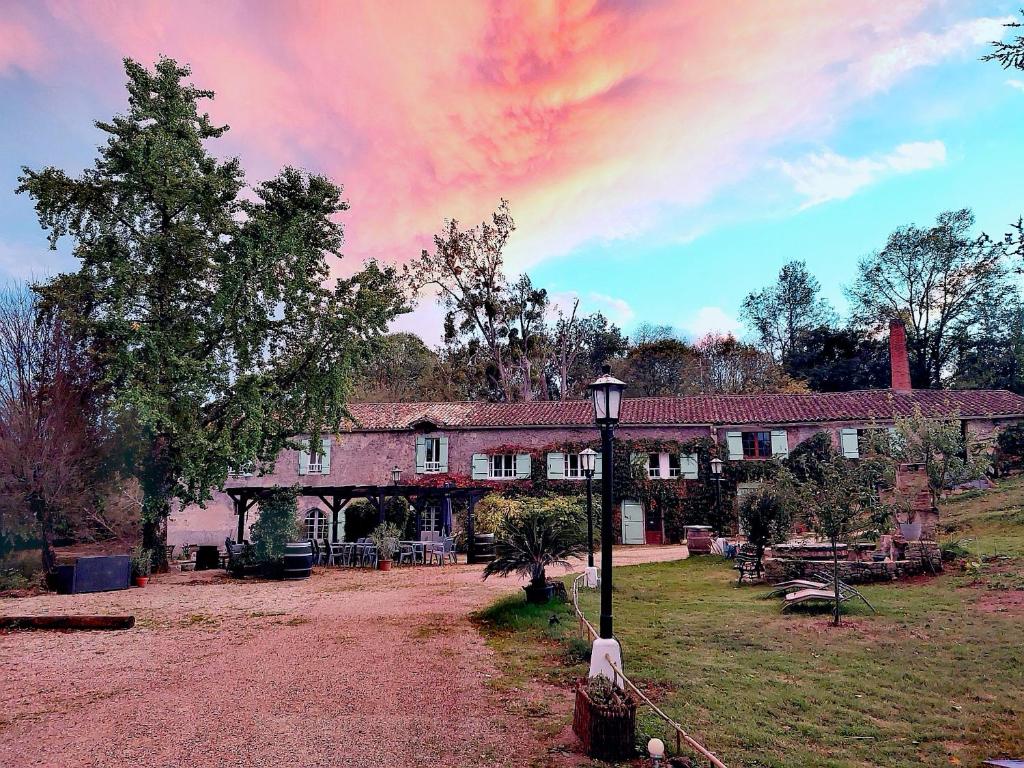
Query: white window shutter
[[443, 458], [479, 466], [848, 442], [325, 456], [597, 467], [556, 466], [421, 454], [304, 459], [523, 466], [780, 444], [688, 467], [734, 440]]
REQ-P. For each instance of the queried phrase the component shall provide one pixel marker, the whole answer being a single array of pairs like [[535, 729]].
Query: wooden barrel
[[298, 559]]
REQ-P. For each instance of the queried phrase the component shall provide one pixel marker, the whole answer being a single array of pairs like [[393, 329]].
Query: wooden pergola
[[337, 497]]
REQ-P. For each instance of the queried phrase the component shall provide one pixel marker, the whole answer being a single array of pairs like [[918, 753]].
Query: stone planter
[[607, 732], [539, 595]]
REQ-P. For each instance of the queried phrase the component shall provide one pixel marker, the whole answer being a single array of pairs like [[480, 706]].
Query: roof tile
[[700, 409]]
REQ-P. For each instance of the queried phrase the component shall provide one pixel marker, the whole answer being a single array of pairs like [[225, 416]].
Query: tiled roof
[[726, 410]]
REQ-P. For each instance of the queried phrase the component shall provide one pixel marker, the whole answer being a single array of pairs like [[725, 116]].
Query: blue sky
[[656, 181]]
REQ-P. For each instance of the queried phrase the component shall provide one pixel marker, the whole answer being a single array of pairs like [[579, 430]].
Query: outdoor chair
[[812, 595], [335, 552], [747, 564], [316, 551], [406, 554], [823, 590], [369, 558], [325, 551], [787, 586]]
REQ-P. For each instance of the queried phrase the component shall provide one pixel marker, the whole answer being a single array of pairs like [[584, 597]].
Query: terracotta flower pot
[[141, 581], [384, 565]]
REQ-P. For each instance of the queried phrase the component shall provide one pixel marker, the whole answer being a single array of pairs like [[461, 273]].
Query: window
[[654, 465], [501, 466], [432, 462], [316, 526], [674, 470], [757, 445], [316, 463], [573, 469]]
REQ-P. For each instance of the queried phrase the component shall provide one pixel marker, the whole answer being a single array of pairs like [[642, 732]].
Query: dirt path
[[347, 668]]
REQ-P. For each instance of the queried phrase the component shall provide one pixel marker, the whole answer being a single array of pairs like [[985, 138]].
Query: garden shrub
[[277, 524]]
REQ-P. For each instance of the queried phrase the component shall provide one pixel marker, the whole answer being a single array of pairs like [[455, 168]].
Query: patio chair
[[325, 551], [787, 586], [316, 551], [335, 552], [369, 558], [406, 553], [812, 595]]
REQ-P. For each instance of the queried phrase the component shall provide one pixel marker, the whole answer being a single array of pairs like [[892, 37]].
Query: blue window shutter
[[780, 444], [479, 466], [523, 466], [735, 442], [848, 442], [556, 466], [688, 466], [597, 467], [325, 450], [304, 459], [421, 454], [444, 453]]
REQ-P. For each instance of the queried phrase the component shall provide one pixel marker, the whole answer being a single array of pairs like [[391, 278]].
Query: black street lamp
[[716, 470], [396, 475], [607, 396], [588, 463]]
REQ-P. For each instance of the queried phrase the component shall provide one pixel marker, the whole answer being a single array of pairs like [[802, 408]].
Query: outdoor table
[[207, 557], [418, 547]]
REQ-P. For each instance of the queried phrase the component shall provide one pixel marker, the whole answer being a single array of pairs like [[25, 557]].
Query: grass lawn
[[936, 677]]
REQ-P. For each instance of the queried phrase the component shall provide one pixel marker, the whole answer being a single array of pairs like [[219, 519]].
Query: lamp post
[[588, 463], [716, 471], [607, 396]]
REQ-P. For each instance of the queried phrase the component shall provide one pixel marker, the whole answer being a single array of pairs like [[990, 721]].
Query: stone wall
[[919, 557]]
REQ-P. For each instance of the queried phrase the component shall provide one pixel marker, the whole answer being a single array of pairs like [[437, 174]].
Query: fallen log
[[67, 622]]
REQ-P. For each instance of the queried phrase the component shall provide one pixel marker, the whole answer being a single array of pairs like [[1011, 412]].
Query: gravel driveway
[[347, 668]]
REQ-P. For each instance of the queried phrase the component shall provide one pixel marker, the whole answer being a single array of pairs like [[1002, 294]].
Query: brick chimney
[[898, 361]]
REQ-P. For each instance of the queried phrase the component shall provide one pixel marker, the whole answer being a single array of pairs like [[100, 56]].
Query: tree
[[993, 356], [781, 313], [467, 270], [277, 524], [402, 369], [1011, 54], [728, 366], [52, 436], [940, 445], [206, 305], [841, 502], [839, 360], [661, 368], [936, 280], [766, 520]]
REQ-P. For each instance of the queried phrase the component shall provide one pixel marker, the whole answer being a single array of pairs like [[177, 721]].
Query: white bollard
[[605, 648], [590, 578]]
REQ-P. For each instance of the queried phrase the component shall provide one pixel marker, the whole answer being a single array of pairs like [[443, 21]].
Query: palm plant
[[527, 544]]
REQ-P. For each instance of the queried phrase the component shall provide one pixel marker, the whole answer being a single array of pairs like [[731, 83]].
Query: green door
[[632, 523]]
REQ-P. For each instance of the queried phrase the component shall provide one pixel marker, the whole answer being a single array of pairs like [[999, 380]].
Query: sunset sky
[[661, 158]]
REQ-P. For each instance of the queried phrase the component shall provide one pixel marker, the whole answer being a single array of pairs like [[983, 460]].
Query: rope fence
[[587, 629]]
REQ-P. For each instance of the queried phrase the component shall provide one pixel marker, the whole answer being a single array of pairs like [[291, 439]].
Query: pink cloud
[[591, 117]]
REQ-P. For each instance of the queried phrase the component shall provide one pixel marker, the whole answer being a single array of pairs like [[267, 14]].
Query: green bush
[[277, 524]]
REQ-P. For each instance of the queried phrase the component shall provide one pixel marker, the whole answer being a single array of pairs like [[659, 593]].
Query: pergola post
[[380, 507], [470, 535], [240, 511]]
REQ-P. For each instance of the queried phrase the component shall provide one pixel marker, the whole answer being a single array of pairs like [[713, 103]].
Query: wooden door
[[632, 523]]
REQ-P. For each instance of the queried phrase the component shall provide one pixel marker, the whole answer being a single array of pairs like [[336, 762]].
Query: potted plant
[[386, 537], [142, 564], [526, 544], [604, 719]]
